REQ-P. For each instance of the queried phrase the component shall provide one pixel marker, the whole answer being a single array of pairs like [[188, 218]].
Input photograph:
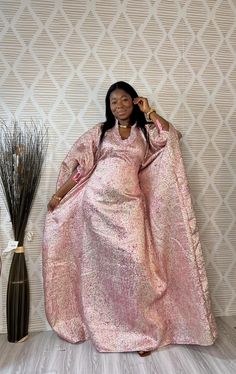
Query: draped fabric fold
[[122, 260]]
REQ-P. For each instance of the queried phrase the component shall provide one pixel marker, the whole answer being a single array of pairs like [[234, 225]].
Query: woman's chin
[[123, 118]]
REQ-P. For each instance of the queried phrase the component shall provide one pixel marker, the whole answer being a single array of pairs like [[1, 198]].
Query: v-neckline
[[131, 135]]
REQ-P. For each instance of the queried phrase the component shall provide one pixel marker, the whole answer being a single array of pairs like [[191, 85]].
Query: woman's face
[[121, 104]]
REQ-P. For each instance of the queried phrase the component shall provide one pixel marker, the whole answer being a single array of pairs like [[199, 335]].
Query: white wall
[[59, 57]]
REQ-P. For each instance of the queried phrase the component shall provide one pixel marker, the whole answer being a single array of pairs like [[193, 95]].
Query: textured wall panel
[[59, 57]]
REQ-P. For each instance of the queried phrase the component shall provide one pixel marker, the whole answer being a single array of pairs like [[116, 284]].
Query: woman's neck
[[125, 123]]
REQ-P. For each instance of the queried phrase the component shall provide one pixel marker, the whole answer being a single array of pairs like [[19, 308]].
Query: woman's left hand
[[142, 103]]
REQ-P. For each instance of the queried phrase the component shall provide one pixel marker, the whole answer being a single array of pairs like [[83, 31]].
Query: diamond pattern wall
[[57, 59]]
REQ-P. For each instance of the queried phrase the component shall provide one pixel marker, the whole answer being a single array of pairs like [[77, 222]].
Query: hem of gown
[[161, 345], [156, 348]]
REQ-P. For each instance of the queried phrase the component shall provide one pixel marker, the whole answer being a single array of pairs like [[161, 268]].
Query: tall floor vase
[[18, 298], [22, 151]]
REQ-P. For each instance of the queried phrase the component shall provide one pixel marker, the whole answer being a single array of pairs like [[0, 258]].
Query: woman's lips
[[121, 113]]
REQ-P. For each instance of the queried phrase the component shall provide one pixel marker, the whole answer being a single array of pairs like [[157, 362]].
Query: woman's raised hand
[[143, 104]]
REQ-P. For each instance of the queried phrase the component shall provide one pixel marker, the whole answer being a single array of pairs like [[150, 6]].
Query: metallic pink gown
[[122, 261]]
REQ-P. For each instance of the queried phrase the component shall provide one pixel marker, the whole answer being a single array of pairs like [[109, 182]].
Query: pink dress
[[122, 261]]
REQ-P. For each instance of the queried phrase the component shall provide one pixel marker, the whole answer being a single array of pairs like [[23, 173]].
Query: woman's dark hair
[[136, 116]]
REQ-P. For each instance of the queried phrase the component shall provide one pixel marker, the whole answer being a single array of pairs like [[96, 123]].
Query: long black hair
[[136, 116]]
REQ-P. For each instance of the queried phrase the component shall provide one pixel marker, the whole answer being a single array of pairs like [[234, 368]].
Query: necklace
[[124, 126]]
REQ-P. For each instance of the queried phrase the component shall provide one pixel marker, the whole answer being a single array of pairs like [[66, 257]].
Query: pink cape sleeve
[[176, 238], [157, 141], [82, 156]]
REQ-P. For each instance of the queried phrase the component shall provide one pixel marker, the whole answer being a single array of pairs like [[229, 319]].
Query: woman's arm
[[160, 122], [154, 117], [63, 190], [151, 113]]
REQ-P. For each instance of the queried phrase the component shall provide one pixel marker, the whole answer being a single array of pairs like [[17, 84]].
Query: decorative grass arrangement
[[22, 151]]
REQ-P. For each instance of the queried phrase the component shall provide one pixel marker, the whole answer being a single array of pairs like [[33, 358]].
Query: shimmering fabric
[[122, 261]]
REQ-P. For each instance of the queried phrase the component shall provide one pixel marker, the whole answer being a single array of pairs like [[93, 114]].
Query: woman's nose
[[119, 104]]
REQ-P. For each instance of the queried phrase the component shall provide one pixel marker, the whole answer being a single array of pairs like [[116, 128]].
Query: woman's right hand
[[53, 203]]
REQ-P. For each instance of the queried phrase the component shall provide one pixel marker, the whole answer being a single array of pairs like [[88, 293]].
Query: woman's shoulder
[[90, 135], [91, 131], [94, 128]]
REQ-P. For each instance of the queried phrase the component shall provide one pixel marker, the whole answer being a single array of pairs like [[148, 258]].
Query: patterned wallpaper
[[59, 57]]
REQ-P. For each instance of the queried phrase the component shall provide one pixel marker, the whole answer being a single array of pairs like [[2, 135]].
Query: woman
[[122, 260]]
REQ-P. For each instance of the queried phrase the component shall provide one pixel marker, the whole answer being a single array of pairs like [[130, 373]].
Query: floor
[[45, 353]]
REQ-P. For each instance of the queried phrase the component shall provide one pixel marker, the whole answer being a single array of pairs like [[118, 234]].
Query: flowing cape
[[184, 307]]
